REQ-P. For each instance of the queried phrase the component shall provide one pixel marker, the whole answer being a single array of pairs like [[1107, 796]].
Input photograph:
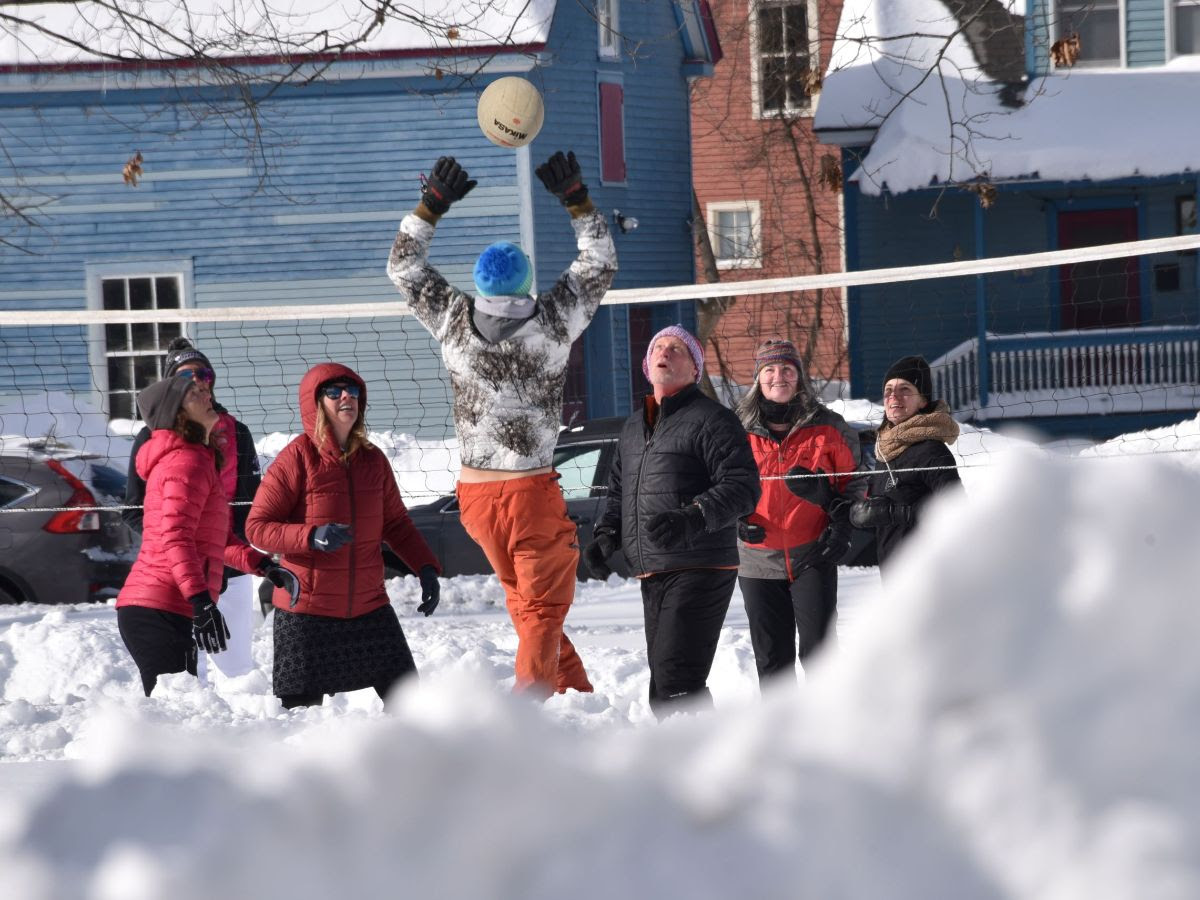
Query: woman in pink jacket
[[167, 609]]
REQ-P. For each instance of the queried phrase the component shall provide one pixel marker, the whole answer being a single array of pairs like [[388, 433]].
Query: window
[[785, 55], [13, 492], [733, 229], [608, 24], [133, 351], [1098, 24], [1185, 26], [612, 133], [576, 467]]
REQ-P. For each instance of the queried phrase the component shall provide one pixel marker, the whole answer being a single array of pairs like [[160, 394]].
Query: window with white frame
[[785, 56], [1185, 27], [1098, 24], [733, 231], [133, 351], [607, 22]]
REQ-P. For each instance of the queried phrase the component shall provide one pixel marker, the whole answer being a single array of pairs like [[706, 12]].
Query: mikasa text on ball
[[510, 112]]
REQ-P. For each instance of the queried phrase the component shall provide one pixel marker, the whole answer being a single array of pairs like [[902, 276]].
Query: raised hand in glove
[[672, 528], [814, 490], [596, 554], [749, 533], [431, 590], [209, 630], [282, 578], [328, 538], [560, 174], [876, 512], [446, 184]]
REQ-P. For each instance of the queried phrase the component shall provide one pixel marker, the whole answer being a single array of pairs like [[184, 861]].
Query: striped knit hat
[[775, 352]]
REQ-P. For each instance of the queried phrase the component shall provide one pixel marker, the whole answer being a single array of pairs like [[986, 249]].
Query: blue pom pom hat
[[503, 270]]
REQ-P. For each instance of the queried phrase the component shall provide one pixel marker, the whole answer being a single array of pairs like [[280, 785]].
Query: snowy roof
[[903, 71], [85, 32]]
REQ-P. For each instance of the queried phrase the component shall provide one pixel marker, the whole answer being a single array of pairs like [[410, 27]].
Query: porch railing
[[1068, 363]]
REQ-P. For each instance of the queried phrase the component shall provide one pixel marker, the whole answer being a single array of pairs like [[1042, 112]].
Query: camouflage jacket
[[507, 395]]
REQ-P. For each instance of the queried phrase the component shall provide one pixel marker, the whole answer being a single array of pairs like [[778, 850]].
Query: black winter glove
[[431, 590], [209, 630], [749, 533], [446, 184], [282, 578], [833, 544], [560, 174], [596, 554], [876, 512], [814, 490], [328, 538], [672, 528]]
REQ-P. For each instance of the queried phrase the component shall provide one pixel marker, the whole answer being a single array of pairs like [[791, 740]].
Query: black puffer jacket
[[910, 488], [697, 451]]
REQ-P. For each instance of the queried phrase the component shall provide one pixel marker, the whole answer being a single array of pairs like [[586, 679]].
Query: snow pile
[[54, 417], [1016, 717]]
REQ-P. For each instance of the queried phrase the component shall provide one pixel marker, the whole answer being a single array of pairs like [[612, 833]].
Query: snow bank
[[1017, 717]]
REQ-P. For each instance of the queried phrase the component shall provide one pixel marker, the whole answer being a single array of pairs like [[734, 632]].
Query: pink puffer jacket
[[187, 538]]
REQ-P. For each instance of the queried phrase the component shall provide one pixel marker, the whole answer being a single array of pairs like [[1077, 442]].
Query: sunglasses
[[334, 391], [208, 376]]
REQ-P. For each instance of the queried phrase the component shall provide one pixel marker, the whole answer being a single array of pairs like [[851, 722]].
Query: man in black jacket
[[682, 476]]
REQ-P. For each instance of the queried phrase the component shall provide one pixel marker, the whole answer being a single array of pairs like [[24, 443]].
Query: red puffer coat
[[823, 442], [187, 535], [307, 486]]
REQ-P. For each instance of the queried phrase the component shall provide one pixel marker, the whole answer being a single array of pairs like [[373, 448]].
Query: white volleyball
[[510, 112]]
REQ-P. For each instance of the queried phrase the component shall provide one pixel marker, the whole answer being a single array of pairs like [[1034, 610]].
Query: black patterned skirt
[[321, 654]]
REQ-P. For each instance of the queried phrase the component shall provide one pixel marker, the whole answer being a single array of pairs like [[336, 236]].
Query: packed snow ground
[[1015, 715]]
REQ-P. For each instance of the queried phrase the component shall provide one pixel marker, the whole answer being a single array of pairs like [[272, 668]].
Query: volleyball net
[[1098, 341]]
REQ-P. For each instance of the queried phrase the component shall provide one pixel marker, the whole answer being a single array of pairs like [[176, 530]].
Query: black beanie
[[915, 371], [159, 403], [181, 352]]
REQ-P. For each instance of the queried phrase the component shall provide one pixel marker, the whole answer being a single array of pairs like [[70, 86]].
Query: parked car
[[56, 545], [583, 457]]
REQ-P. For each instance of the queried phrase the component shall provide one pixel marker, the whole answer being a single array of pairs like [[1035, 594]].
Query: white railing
[[1121, 359]]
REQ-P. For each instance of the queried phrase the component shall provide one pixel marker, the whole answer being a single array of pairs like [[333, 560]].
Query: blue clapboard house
[[306, 214], [1042, 125]]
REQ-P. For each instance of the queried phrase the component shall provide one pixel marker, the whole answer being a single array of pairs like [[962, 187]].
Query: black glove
[[446, 184], [596, 554], [328, 538], [209, 630], [672, 528], [876, 512], [282, 578], [814, 490], [431, 590], [833, 544], [749, 533], [560, 174]]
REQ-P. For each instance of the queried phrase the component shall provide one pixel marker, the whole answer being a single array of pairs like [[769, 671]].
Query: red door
[[1102, 294]]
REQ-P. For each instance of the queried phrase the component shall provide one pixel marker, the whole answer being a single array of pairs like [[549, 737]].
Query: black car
[[583, 457], [57, 543]]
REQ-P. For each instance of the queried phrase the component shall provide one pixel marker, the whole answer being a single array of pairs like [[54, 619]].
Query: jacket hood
[[161, 444], [313, 379]]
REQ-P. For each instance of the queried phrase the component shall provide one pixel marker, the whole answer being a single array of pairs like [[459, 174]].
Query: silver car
[[56, 544]]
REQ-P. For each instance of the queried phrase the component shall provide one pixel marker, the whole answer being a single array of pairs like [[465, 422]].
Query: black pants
[[160, 642], [684, 612], [780, 612]]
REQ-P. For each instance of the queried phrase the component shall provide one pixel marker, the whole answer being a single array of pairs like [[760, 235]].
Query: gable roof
[[87, 33], [905, 79]]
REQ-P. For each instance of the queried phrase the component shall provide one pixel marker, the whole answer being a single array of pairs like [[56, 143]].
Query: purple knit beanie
[[677, 331]]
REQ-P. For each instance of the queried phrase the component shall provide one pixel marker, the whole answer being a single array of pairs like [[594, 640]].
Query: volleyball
[[510, 112]]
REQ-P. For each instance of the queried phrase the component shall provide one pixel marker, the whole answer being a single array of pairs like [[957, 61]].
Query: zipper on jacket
[[641, 465], [350, 580]]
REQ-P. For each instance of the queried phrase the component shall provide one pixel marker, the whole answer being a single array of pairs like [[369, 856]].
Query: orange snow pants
[[523, 529]]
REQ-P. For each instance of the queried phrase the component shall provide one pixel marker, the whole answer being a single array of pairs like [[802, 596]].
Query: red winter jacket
[[307, 486], [187, 534], [824, 441]]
